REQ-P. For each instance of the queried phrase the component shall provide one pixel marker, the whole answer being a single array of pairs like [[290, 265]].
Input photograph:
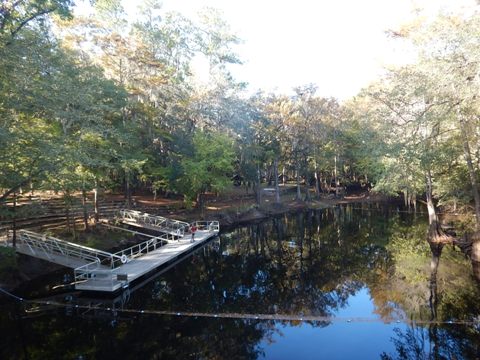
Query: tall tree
[[208, 168]]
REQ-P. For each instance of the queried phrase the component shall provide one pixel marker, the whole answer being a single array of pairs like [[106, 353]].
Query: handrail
[[211, 226], [145, 247], [92, 271], [101, 265], [69, 244], [50, 246], [174, 226]]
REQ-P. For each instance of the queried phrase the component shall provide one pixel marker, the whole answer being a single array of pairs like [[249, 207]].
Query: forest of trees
[[107, 102]]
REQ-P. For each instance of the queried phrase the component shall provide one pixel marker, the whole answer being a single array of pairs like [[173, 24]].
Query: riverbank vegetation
[[107, 102]]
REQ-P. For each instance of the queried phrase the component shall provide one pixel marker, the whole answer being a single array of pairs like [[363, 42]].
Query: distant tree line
[[108, 102]]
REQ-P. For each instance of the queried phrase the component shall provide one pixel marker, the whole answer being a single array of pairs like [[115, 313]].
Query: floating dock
[[111, 280], [97, 270]]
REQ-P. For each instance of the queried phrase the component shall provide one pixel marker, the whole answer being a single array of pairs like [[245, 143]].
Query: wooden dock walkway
[[106, 280]]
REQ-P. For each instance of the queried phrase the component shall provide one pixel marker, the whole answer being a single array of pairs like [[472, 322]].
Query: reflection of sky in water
[[342, 340], [339, 340], [359, 306]]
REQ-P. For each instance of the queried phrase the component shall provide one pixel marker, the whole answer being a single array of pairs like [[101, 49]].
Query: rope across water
[[272, 317]]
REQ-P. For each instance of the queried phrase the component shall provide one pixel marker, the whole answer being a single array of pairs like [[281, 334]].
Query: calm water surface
[[352, 282]]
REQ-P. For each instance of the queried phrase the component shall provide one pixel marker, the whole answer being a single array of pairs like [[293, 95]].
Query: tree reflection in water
[[309, 263], [439, 339]]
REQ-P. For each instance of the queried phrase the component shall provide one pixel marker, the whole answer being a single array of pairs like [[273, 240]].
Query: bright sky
[[339, 45]]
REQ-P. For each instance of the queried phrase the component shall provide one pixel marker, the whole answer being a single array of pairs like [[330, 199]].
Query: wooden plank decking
[[136, 268]]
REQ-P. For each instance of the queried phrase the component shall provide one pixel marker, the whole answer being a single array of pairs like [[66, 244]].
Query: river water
[[353, 282]]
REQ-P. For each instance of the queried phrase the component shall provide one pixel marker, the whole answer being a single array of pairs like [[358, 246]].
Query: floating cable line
[[400, 211], [11, 295], [248, 316]]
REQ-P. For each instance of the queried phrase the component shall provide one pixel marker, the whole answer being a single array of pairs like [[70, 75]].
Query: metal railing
[[163, 224], [95, 272], [100, 265], [211, 226], [48, 246], [145, 247]]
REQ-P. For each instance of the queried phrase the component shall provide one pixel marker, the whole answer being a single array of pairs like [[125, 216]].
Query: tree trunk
[[84, 206], [317, 182], [432, 215], [95, 202], [307, 184], [200, 200], [269, 176], [67, 211], [476, 270], [275, 174], [128, 195], [315, 169], [297, 175], [475, 257], [414, 201], [308, 197], [471, 171], [74, 228], [257, 189], [435, 233], [14, 223], [335, 161], [335, 176]]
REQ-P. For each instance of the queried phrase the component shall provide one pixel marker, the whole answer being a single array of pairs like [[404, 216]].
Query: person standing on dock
[[193, 230]]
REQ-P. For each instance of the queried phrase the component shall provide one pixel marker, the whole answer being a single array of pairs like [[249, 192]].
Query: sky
[[341, 46]]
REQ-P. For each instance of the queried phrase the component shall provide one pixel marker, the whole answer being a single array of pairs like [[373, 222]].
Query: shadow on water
[[367, 267]]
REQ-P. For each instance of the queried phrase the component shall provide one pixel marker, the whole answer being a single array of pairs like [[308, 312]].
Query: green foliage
[[210, 166], [411, 253], [110, 102], [54, 109], [8, 259], [426, 113], [15, 15]]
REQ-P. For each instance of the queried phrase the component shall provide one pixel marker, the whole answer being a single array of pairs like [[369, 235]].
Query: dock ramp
[[97, 270]]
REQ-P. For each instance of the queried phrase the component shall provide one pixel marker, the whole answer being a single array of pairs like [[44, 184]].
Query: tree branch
[[27, 20], [4, 196]]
